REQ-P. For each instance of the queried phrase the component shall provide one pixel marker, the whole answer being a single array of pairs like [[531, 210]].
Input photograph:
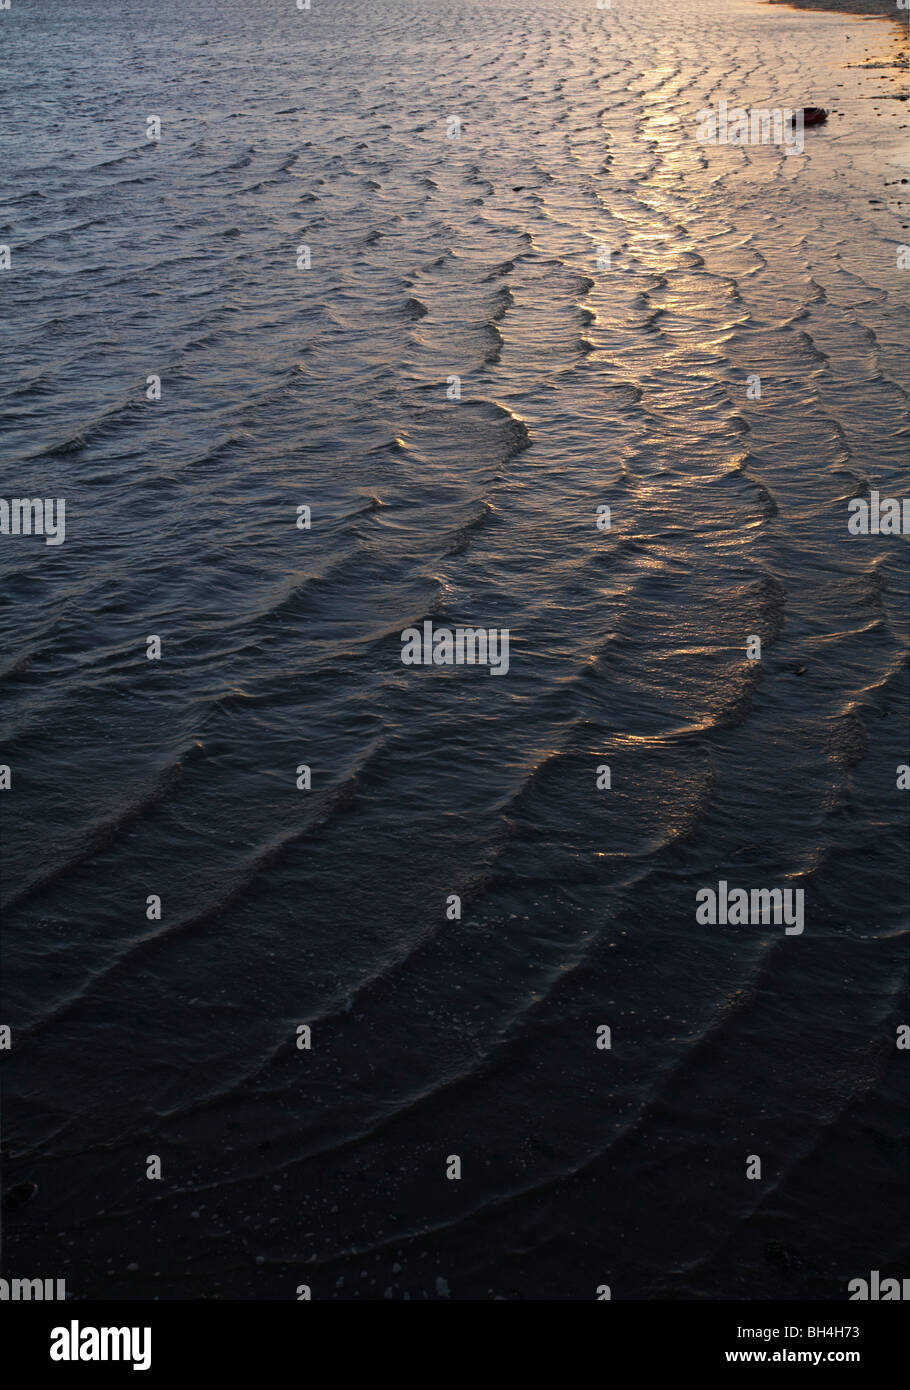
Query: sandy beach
[[884, 8]]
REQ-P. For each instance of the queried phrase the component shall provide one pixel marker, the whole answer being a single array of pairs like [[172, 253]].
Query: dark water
[[326, 387]]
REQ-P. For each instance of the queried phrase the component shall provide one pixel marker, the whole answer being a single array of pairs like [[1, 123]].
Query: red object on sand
[[814, 115]]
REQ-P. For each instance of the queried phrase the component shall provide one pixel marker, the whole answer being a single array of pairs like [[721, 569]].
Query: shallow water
[[580, 385]]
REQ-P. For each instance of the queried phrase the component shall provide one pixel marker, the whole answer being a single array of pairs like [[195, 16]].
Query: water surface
[[581, 385]]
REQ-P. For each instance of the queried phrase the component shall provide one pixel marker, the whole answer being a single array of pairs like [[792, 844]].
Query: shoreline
[[884, 9], [870, 9], [894, 55]]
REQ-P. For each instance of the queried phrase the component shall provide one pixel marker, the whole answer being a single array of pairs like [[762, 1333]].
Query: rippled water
[[327, 387]]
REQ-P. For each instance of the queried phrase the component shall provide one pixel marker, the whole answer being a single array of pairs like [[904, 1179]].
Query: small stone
[[20, 1194]]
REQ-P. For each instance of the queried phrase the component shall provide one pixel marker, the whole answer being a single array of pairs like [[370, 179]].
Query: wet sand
[[885, 8], [608, 291]]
